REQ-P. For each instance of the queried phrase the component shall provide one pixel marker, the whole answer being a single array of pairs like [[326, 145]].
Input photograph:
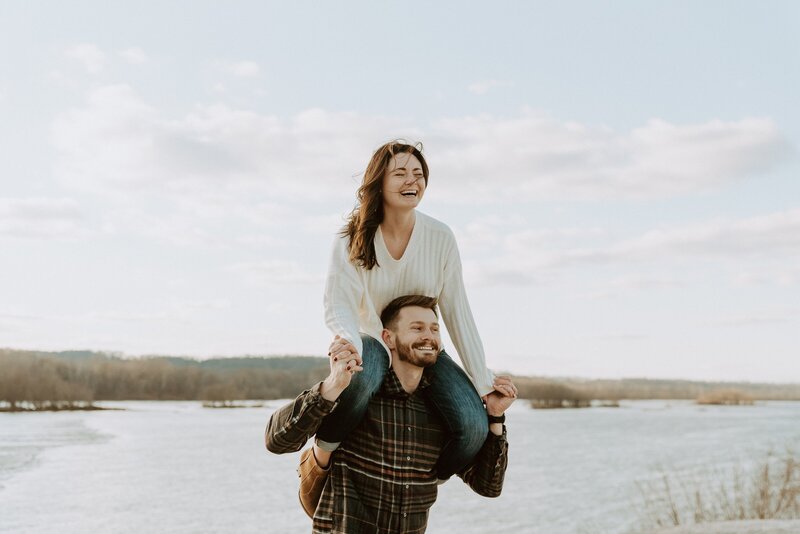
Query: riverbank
[[53, 408], [27, 406], [771, 526]]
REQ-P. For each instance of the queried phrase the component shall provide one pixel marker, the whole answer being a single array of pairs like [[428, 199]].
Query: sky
[[621, 177]]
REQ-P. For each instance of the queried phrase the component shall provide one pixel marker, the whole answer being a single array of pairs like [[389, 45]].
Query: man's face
[[417, 338]]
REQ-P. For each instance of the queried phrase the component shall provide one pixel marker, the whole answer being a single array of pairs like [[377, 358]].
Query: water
[[175, 467]]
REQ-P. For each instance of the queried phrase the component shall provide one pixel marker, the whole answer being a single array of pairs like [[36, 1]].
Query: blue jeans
[[451, 393]]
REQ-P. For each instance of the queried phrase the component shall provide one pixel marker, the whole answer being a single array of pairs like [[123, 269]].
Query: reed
[[770, 490], [727, 397]]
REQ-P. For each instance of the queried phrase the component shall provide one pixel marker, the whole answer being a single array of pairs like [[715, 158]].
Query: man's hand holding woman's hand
[[344, 362], [505, 392], [499, 400]]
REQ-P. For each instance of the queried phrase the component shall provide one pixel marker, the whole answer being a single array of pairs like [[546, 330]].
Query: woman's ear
[[388, 338]]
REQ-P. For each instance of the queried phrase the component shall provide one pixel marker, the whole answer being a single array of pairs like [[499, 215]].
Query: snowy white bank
[[771, 526]]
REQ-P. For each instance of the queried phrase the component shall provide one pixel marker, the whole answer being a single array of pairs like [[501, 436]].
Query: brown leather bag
[[312, 480]]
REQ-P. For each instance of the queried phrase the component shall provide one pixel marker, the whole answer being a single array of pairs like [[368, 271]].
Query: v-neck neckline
[[409, 245]]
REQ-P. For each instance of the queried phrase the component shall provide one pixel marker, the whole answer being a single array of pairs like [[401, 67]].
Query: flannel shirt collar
[[392, 387]]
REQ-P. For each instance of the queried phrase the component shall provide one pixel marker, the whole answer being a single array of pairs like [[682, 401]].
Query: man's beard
[[407, 354]]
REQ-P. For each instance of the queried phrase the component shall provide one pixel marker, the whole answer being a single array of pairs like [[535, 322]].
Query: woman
[[388, 249]]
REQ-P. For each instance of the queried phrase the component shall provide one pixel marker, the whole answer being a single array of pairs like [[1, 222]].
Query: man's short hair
[[392, 310]]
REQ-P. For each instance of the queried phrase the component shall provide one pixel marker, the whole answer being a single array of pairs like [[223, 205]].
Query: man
[[382, 478]]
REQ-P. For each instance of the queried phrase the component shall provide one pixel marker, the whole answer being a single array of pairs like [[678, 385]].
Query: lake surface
[[176, 467]]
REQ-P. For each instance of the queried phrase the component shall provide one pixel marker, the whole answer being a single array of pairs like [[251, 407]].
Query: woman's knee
[[373, 355], [472, 429], [366, 383]]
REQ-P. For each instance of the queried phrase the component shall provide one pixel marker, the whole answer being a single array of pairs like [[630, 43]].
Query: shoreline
[[749, 526], [90, 408]]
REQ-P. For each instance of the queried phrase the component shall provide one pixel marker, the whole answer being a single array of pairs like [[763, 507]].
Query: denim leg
[[457, 401], [354, 399]]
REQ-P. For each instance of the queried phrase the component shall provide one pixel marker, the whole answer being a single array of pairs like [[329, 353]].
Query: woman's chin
[[405, 206]]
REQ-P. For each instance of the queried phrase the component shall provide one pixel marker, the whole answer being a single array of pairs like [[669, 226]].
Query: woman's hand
[[341, 348], [504, 394], [344, 362]]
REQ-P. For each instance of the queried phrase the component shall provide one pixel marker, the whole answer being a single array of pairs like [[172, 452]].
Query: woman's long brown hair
[[365, 218]]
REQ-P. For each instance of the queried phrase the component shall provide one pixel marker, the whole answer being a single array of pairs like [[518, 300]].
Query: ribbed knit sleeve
[[460, 324], [343, 294]]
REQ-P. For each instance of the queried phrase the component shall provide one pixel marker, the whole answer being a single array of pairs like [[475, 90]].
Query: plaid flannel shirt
[[381, 478]]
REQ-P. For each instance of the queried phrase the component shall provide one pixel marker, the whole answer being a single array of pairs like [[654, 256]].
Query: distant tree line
[[42, 383], [65, 380], [580, 391], [48, 380]]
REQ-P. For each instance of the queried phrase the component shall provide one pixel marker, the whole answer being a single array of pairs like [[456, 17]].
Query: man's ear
[[388, 338]]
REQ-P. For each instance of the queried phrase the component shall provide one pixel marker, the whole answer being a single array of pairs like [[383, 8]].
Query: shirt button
[[404, 514], [406, 486], [409, 428], [408, 458]]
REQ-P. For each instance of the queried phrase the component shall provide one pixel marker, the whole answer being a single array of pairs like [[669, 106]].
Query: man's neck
[[409, 375]]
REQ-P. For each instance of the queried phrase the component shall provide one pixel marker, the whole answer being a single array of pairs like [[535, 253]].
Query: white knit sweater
[[430, 266]]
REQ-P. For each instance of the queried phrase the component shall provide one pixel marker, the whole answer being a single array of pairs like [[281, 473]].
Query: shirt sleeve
[[344, 291], [291, 425], [460, 324], [487, 471]]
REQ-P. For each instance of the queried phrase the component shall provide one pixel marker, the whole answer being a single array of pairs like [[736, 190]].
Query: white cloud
[[275, 272], [498, 273], [89, 55], [134, 55], [537, 237], [631, 283], [40, 218], [639, 282], [242, 69], [782, 276], [482, 87], [756, 319], [537, 157], [175, 228], [487, 232], [117, 140], [773, 236], [174, 311], [258, 240]]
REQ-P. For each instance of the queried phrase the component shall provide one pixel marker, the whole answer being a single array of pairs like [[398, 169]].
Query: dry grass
[[769, 491], [730, 397]]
